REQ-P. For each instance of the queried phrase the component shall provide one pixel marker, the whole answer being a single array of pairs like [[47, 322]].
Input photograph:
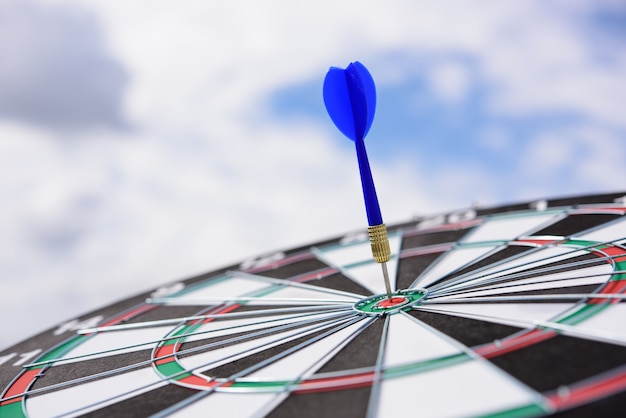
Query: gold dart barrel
[[379, 243], [381, 251]]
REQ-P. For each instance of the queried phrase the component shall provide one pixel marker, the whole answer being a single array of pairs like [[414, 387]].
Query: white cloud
[[50, 77], [450, 81], [573, 160], [496, 140], [602, 161], [551, 65], [548, 154], [206, 179]]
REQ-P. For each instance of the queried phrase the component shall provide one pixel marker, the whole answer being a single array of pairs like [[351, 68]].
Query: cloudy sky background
[[147, 141]]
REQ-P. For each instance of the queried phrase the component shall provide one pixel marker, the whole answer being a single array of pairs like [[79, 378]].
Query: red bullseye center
[[391, 303]]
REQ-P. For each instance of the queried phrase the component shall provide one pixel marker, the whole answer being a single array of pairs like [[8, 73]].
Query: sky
[[143, 142]]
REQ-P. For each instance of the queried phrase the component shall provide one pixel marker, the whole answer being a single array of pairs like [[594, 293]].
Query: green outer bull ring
[[379, 305]]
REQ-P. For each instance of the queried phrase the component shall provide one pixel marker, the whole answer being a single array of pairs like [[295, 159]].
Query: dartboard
[[509, 311]]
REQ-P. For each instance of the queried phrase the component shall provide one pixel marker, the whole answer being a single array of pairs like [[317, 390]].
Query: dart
[[350, 100]]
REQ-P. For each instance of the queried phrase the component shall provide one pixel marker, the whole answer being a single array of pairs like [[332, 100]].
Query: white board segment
[[409, 342], [468, 389], [226, 405], [508, 227], [611, 320], [450, 262]]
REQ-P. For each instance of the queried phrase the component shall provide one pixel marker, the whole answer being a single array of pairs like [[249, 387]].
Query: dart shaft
[[372, 207]]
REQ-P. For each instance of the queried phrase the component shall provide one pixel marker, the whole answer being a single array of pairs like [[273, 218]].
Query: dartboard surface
[[511, 311]]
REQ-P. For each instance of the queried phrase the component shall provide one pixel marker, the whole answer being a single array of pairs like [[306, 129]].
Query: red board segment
[[165, 353], [589, 392], [614, 287], [514, 343], [20, 386], [332, 383]]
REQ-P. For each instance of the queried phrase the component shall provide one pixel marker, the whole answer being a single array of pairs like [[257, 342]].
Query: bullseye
[[382, 305], [393, 302]]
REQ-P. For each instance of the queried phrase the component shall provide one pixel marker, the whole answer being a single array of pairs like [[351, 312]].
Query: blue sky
[[132, 134], [462, 129]]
